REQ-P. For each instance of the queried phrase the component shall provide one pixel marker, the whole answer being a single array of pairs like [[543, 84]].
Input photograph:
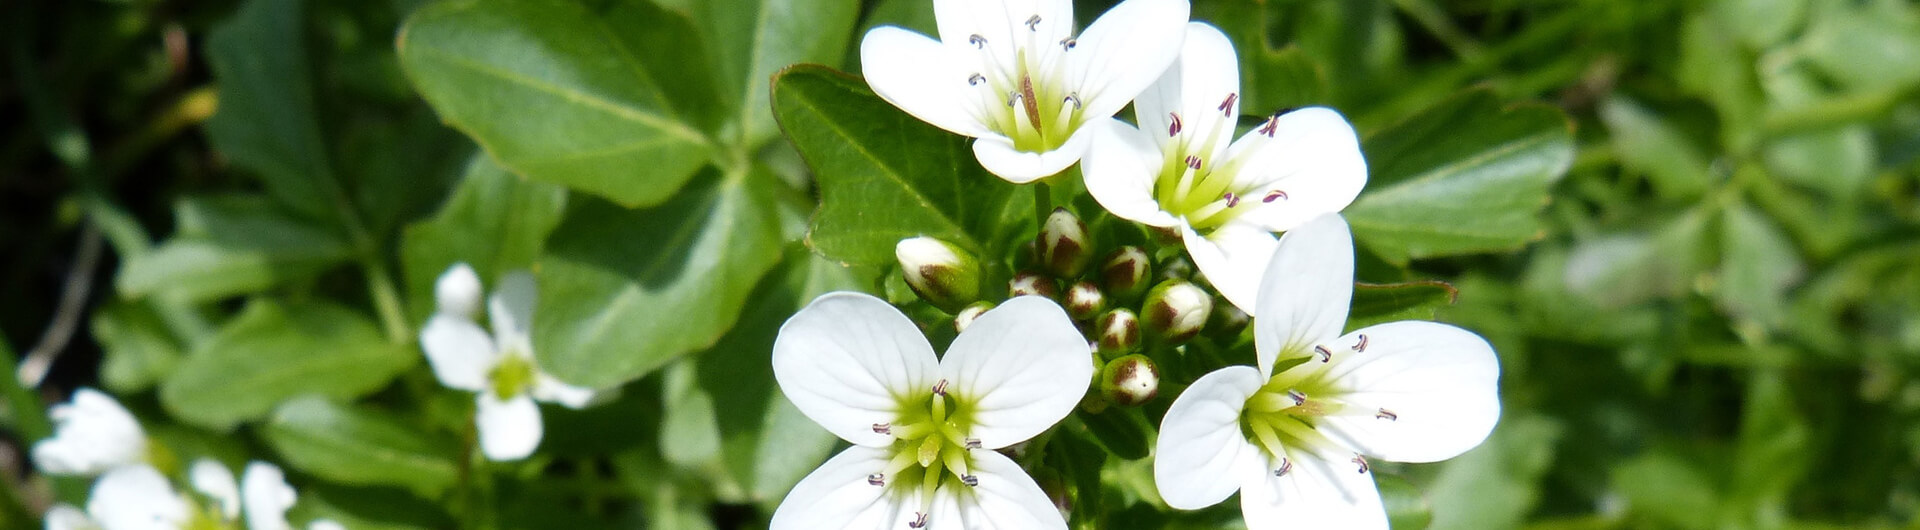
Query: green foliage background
[[1690, 228]]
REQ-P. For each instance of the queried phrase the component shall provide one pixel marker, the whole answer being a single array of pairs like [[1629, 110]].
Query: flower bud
[[1127, 272], [1176, 268], [1084, 301], [1064, 247], [941, 273], [1130, 381], [1119, 331], [457, 292], [1033, 283], [1227, 320], [1176, 310], [966, 315]]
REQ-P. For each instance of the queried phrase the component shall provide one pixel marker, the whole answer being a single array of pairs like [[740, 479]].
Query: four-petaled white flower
[[1295, 444], [1010, 74], [501, 367], [925, 429], [92, 435], [138, 497], [1177, 169]]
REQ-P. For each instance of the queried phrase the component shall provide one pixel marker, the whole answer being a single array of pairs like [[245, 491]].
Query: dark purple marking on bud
[[1361, 346], [1362, 460], [1226, 107], [1033, 23], [1173, 129], [1286, 466], [883, 428], [976, 79], [1232, 200], [1387, 415], [1273, 195], [877, 479], [940, 388], [1326, 355]]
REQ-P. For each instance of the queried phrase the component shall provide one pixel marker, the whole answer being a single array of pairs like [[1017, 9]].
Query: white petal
[[1201, 447], [460, 353], [1317, 492], [1195, 85], [1003, 23], [837, 495], [1005, 499], [1441, 382], [267, 496], [325, 524], [213, 479], [509, 430], [458, 291], [510, 312], [1234, 258], [1313, 157], [136, 498], [1305, 292], [1125, 50], [92, 434], [922, 77], [1023, 365], [997, 154], [547, 388], [847, 360], [67, 517], [1120, 169]]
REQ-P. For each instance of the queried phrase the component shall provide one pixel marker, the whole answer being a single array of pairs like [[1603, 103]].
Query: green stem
[[386, 299], [1042, 203]]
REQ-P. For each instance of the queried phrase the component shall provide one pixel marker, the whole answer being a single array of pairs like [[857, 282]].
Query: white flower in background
[[1178, 170], [138, 497], [1011, 74], [925, 429], [499, 367], [1295, 444], [92, 434]]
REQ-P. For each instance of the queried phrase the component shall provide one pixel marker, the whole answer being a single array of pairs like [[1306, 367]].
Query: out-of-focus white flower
[[92, 434], [500, 367]]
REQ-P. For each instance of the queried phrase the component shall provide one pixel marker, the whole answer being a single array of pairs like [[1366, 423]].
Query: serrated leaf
[[565, 93], [355, 446], [495, 222], [271, 352], [884, 176], [1465, 176], [622, 292]]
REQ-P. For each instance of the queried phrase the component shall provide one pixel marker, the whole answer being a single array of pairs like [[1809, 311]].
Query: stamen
[[1387, 415], [1068, 43], [1299, 398], [1074, 98], [1033, 23], [919, 520], [1362, 345], [973, 443], [1173, 129], [970, 480], [1286, 466], [883, 428], [1013, 98], [1193, 161], [977, 41], [1326, 355], [1227, 106], [1362, 460], [940, 388], [1275, 194], [976, 79], [877, 479], [1232, 200], [1272, 123]]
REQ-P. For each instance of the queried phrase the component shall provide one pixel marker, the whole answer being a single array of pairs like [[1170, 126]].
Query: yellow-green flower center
[[931, 446], [513, 376], [1026, 102]]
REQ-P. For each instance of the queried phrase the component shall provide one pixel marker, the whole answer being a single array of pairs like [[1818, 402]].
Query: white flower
[[1295, 444], [1177, 169], [1010, 74], [138, 497], [499, 367], [925, 429], [92, 434]]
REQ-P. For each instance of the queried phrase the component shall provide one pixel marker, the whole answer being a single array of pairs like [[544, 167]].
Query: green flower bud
[[1177, 267], [1033, 283], [1227, 320], [1176, 310], [1084, 301], [1063, 245], [940, 272], [966, 315], [1119, 331], [1127, 272], [1130, 381]]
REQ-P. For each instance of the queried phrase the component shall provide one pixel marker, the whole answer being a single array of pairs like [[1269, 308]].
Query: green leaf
[[357, 446], [1865, 45], [266, 120], [1465, 176], [564, 93], [1270, 79], [625, 291], [1379, 303], [495, 222], [137, 348], [1406, 507], [749, 40], [1497, 484], [1123, 431], [368, 508], [1652, 145], [273, 352], [1838, 162], [229, 245], [1619, 270], [884, 176], [1758, 265]]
